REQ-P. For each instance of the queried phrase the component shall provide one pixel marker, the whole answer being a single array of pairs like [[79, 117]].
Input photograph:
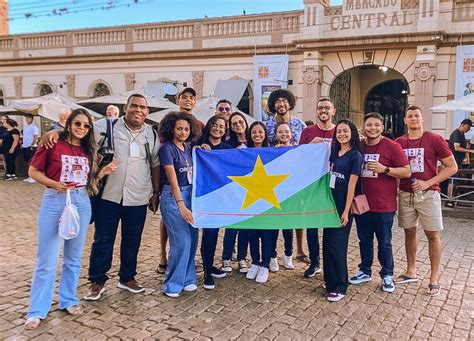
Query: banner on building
[[269, 73], [263, 188], [464, 81]]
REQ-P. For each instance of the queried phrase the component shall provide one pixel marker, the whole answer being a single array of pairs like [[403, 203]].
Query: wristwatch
[[386, 170]]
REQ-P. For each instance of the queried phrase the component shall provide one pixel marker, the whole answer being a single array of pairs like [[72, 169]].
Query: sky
[[27, 16]]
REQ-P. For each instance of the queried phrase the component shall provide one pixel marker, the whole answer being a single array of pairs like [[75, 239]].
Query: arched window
[[45, 89], [2, 102], [100, 89]]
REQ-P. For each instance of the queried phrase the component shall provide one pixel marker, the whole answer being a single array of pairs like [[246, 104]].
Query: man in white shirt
[[30, 136]]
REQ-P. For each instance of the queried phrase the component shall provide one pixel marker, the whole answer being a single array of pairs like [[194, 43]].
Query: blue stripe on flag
[[217, 165]]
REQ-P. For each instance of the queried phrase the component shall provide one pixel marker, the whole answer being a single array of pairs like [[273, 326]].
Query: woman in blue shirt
[[177, 130], [346, 163]]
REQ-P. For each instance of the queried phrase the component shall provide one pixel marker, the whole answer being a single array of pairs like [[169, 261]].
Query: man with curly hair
[[280, 103]]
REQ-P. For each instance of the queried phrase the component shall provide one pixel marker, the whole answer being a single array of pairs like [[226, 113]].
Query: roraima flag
[[263, 188]]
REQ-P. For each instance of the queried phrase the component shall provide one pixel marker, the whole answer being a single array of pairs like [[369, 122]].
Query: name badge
[[332, 180], [190, 175], [134, 149]]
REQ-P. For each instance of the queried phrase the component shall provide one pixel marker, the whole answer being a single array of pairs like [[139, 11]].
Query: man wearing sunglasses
[[224, 108]]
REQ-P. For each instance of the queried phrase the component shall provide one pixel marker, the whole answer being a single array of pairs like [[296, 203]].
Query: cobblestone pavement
[[288, 306]]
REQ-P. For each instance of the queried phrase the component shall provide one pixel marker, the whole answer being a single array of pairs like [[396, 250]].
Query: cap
[[187, 89], [467, 122]]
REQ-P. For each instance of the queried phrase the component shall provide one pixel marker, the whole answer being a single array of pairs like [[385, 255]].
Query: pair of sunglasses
[[79, 124]]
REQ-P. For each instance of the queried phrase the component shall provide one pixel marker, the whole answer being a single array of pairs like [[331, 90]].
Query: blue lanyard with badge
[[332, 179]]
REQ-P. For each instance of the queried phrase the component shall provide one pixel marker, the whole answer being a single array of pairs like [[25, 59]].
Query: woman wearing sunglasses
[[69, 165]]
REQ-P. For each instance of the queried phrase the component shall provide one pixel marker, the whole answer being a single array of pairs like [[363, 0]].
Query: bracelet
[[179, 200], [156, 192]]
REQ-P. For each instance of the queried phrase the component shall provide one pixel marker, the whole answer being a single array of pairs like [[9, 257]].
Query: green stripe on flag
[[312, 207]]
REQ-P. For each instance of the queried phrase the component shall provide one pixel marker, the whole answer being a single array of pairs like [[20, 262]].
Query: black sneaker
[[208, 283], [217, 273], [312, 271]]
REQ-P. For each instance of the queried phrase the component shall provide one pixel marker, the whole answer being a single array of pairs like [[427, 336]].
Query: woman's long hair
[[250, 142], [207, 130], [233, 139], [88, 145], [354, 142]]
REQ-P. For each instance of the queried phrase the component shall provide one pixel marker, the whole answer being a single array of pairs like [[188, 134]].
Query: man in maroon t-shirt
[[384, 163], [419, 199], [322, 131]]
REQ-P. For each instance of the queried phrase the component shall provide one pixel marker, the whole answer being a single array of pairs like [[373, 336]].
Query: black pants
[[106, 226], [312, 237], [288, 242], [335, 243], [208, 248], [10, 161], [28, 153]]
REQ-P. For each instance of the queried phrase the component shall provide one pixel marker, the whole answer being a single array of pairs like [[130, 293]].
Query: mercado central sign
[[369, 14]]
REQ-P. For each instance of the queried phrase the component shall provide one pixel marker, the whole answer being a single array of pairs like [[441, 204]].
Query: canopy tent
[[48, 106], [231, 89], [465, 103], [6, 110], [100, 104], [204, 110]]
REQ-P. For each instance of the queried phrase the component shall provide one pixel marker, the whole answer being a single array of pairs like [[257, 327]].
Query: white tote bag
[[69, 222]]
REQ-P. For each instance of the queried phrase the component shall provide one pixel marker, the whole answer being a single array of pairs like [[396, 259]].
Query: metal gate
[[340, 94]]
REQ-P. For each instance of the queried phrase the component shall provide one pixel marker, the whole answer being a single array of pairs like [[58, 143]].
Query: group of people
[[150, 169]]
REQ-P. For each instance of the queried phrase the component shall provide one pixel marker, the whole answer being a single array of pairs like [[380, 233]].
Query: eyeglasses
[[222, 109], [237, 123], [79, 124], [327, 108]]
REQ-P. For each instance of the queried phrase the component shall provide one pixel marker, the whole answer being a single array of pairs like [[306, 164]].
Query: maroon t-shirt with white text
[[423, 154], [64, 162], [309, 133], [381, 189]]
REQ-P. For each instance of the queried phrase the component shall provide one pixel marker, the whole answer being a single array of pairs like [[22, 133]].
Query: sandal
[[32, 323], [75, 310], [435, 287], [404, 279], [303, 258], [161, 269]]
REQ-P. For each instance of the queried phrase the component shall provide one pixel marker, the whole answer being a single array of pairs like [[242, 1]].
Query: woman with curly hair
[[177, 130], [68, 166]]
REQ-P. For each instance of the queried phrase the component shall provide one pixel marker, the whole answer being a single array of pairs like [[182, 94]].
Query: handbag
[[69, 223], [360, 205]]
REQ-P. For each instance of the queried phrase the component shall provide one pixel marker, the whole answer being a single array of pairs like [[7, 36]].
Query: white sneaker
[[262, 276], [32, 181], [27, 180], [190, 287], [253, 271], [243, 267], [226, 267], [274, 267], [288, 260]]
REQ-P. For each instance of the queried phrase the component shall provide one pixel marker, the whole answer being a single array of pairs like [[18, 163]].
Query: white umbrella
[[204, 110], [6, 110], [48, 106], [100, 104], [465, 103]]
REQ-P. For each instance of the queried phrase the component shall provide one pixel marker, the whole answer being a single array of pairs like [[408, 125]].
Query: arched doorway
[[2, 102], [389, 99], [369, 88]]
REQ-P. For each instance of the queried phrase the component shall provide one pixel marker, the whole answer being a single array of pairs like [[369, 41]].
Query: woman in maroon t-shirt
[[66, 167]]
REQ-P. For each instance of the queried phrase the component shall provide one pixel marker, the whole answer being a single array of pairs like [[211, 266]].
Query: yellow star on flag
[[259, 185]]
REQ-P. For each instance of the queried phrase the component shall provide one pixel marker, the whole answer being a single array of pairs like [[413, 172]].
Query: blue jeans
[[380, 224], [229, 241], [260, 247], [312, 237], [49, 249], [183, 242], [106, 226], [288, 242]]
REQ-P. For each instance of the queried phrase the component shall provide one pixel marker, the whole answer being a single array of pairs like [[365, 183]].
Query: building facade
[[367, 55]]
